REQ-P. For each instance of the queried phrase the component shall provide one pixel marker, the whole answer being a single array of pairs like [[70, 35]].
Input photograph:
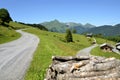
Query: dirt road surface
[[86, 51]]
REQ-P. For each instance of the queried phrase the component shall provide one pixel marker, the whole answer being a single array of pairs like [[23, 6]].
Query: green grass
[[7, 34], [52, 44], [101, 41], [15, 25], [98, 52]]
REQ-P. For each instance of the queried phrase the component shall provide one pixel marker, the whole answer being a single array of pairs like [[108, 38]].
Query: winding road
[[16, 56], [86, 51]]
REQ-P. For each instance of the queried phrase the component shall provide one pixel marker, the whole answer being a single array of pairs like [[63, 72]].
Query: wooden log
[[64, 59]]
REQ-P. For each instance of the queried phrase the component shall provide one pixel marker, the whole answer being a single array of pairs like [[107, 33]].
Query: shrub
[[68, 36]]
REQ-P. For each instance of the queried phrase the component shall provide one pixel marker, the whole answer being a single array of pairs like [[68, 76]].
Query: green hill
[[7, 34], [16, 25], [106, 30]]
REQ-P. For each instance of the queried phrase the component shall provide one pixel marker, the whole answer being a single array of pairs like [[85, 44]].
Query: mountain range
[[57, 26], [106, 30]]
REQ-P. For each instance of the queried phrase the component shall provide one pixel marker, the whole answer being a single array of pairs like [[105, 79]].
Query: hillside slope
[[7, 34], [106, 30], [16, 25], [54, 44], [51, 44]]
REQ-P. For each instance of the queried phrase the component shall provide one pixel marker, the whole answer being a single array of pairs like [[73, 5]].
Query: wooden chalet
[[106, 47]]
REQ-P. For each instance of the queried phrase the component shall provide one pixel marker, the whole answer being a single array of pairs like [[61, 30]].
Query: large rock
[[83, 68]]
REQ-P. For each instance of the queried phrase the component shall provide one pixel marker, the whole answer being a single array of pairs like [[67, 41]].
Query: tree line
[[39, 26], [111, 38]]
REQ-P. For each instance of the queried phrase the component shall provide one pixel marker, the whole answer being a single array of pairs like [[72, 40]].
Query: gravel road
[[15, 56], [86, 51]]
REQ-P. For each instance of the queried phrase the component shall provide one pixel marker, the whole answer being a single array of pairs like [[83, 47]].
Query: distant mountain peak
[[55, 20], [88, 25]]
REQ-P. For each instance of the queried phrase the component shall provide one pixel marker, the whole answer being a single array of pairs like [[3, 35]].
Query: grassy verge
[[7, 34], [98, 52], [52, 44]]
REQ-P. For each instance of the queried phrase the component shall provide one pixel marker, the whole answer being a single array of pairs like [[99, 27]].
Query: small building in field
[[118, 46], [106, 47], [89, 35]]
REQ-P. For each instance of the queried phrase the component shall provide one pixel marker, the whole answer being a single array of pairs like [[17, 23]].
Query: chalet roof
[[118, 47], [106, 44], [118, 43]]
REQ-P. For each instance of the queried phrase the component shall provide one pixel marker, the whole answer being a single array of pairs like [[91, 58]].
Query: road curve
[[15, 56], [86, 51]]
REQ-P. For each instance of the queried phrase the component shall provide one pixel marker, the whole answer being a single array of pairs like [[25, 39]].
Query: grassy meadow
[[52, 44], [101, 41], [7, 34]]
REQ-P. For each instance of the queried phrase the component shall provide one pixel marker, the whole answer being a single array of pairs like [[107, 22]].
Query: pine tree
[[68, 36]]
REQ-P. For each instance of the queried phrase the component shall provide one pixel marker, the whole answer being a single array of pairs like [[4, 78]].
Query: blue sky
[[96, 12]]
